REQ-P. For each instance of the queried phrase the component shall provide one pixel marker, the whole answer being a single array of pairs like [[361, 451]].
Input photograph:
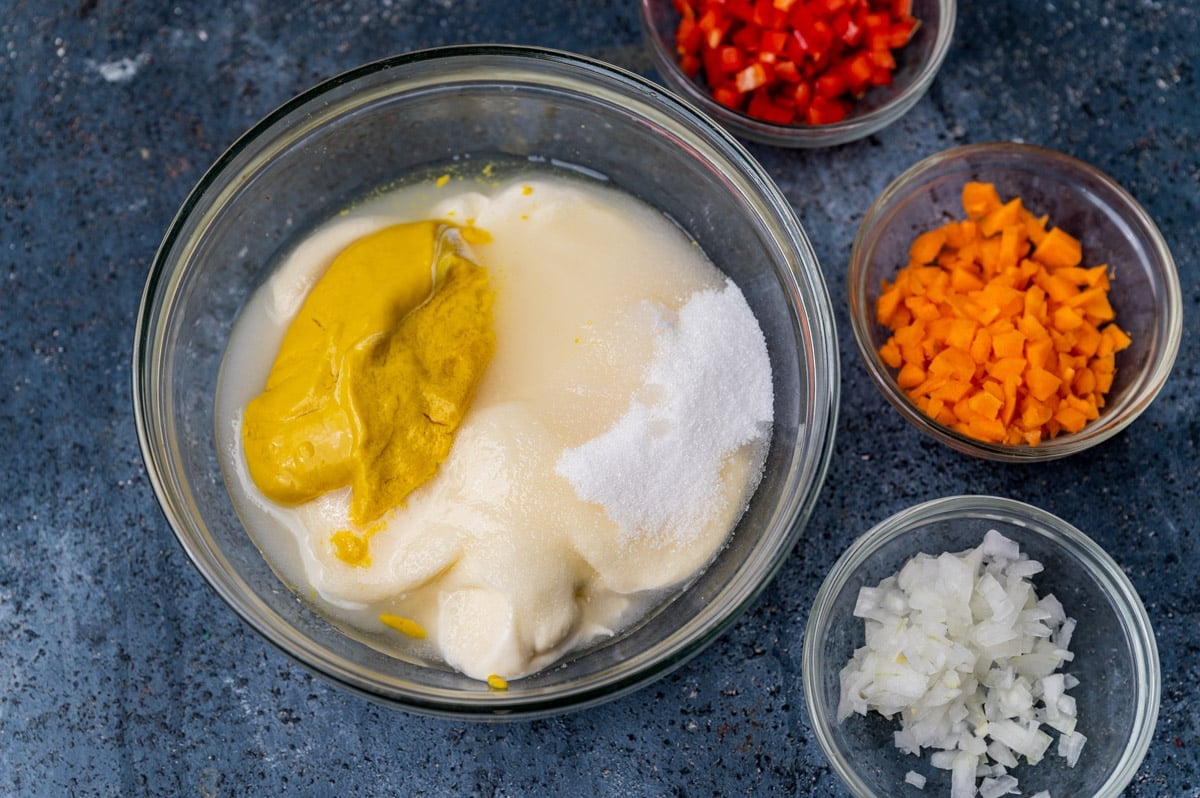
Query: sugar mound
[[707, 392]]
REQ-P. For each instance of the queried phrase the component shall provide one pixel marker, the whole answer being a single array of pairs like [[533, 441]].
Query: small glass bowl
[[1113, 229], [374, 125], [1116, 657], [916, 65]]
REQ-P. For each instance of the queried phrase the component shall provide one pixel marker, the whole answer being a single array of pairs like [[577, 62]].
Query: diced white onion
[[1069, 746], [994, 788], [961, 647], [915, 779]]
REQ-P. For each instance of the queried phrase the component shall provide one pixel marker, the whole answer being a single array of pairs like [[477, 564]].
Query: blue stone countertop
[[122, 672]]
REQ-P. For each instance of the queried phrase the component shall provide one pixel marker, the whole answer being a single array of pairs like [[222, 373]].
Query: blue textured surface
[[121, 673]]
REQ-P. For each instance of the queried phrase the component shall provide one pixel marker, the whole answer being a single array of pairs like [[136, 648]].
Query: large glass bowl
[[1116, 657], [367, 128], [1114, 230], [917, 63]]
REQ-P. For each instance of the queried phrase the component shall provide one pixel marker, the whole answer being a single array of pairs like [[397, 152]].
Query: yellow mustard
[[374, 375]]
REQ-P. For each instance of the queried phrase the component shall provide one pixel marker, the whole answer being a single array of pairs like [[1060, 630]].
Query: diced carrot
[[1059, 249], [1071, 418], [1006, 368], [998, 331], [1056, 287], [963, 280], [1098, 277], [910, 375], [952, 391], [985, 405], [1035, 414], [1115, 337], [1035, 227], [1084, 383], [1009, 344], [1067, 318], [1011, 241], [1038, 350], [889, 300], [988, 429], [1042, 383], [959, 234], [926, 246], [891, 354], [953, 362], [961, 334], [1007, 215], [1087, 340], [981, 347], [979, 199]]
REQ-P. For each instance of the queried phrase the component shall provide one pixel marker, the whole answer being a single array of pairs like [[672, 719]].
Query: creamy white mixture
[[612, 444]]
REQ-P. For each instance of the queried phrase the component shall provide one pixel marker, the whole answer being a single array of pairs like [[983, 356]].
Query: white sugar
[[707, 393]]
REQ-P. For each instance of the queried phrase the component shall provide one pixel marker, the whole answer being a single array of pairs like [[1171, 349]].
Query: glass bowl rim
[[802, 136], [801, 284], [1165, 276], [1098, 564]]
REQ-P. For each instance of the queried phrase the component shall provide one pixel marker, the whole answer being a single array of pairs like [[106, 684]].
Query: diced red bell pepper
[[690, 64], [901, 33], [740, 9], [882, 59], [801, 96], [824, 111], [773, 41], [714, 26], [731, 58], [830, 85], [728, 95], [687, 37], [762, 107], [748, 38], [858, 70], [751, 78], [791, 61], [786, 71], [847, 29]]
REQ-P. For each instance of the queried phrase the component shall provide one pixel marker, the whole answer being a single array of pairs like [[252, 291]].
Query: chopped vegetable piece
[[997, 331], [767, 58]]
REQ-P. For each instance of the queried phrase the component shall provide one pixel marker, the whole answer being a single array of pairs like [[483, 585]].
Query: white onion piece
[[961, 647], [1002, 785], [1069, 746], [915, 779]]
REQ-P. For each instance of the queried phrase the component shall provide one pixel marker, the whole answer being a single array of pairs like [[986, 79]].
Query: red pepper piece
[[858, 71], [830, 85], [751, 78], [901, 33], [728, 96], [787, 71], [824, 111], [687, 37], [801, 96], [742, 10], [762, 107], [730, 58], [714, 25], [773, 41]]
